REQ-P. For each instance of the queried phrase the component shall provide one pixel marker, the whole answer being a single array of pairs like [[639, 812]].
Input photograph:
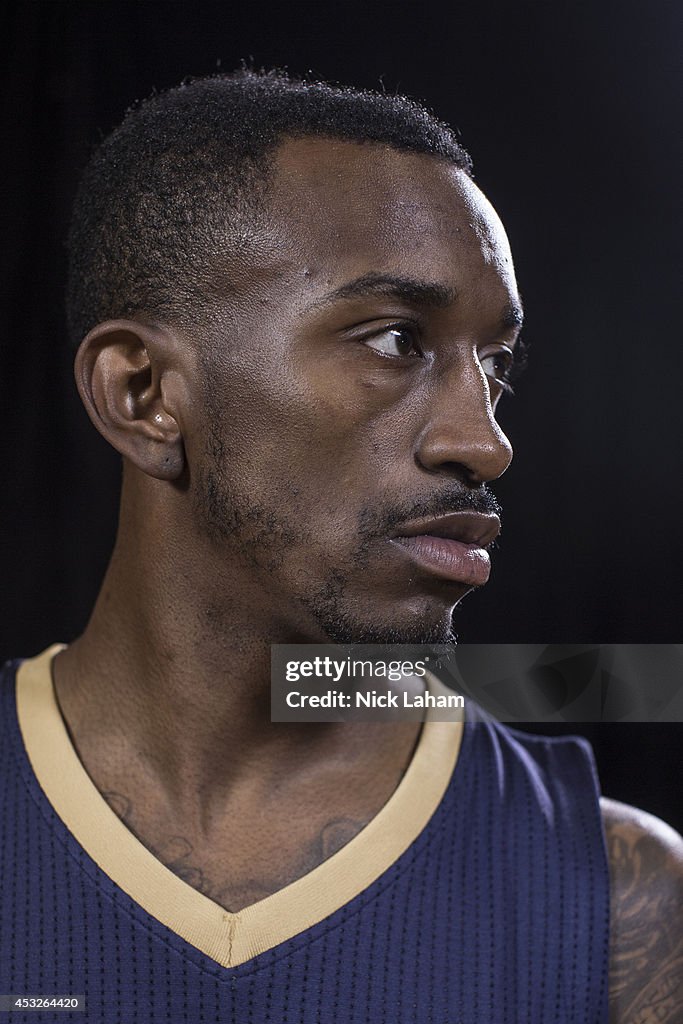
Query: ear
[[127, 381]]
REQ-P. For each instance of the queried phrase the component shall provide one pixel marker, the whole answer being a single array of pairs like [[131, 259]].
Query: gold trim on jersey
[[228, 938]]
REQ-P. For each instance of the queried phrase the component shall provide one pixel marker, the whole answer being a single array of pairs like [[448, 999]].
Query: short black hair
[[188, 169]]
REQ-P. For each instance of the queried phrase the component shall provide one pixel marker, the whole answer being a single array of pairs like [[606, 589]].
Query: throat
[[265, 840], [236, 875]]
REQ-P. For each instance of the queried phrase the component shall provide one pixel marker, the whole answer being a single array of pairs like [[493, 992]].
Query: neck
[[169, 685]]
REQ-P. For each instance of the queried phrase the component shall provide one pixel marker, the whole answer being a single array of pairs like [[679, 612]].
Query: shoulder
[[646, 948]]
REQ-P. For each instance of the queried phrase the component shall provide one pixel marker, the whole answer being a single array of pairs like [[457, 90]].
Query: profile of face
[[347, 397]]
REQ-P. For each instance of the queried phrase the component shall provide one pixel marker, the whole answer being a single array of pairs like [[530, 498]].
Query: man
[[298, 315]]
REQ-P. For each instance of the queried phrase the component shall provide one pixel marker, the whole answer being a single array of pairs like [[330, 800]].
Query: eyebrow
[[420, 293], [423, 293], [513, 315]]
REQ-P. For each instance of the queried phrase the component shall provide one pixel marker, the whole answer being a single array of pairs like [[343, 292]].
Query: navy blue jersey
[[478, 895]]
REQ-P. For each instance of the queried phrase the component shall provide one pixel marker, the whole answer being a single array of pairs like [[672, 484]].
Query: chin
[[351, 630], [417, 618]]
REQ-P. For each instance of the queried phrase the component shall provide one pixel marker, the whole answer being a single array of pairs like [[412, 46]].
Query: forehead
[[345, 208]]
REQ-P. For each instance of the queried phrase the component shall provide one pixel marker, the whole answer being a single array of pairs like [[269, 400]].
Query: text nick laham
[[373, 699]]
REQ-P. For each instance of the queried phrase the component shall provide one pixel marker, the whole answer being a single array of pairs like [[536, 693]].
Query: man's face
[[348, 398]]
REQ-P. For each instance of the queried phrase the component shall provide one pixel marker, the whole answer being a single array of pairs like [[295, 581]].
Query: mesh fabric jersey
[[495, 910]]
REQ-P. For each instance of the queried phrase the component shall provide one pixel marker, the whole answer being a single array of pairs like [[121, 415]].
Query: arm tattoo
[[646, 961]]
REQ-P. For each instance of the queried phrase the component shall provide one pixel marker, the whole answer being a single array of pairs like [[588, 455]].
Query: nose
[[461, 436]]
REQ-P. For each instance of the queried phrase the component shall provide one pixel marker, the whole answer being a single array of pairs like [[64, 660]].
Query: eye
[[498, 366], [394, 341]]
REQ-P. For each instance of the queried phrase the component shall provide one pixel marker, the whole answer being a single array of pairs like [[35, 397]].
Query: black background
[[572, 113]]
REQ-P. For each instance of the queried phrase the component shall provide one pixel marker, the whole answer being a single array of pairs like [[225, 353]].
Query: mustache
[[456, 499]]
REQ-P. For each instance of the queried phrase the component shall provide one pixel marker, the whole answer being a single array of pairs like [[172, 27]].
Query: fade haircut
[[184, 179]]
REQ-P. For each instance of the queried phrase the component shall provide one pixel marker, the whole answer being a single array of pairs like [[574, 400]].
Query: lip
[[468, 527], [451, 547]]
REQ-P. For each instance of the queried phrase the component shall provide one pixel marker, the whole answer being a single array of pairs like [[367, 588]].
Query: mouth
[[451, 547]]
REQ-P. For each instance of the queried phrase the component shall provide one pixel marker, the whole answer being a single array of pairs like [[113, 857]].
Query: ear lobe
[[119, 371]]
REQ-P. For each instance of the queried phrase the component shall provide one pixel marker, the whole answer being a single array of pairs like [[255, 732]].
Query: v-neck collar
[[228, 938]]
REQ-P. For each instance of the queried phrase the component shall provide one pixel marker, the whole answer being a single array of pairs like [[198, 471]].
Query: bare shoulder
[[646, 953]]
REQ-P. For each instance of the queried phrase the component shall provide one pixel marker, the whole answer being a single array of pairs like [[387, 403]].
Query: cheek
[[319, 429], [356, 403], [257, 417]]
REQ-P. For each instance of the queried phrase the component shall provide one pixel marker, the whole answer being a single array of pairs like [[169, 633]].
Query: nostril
[[470, 461]]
